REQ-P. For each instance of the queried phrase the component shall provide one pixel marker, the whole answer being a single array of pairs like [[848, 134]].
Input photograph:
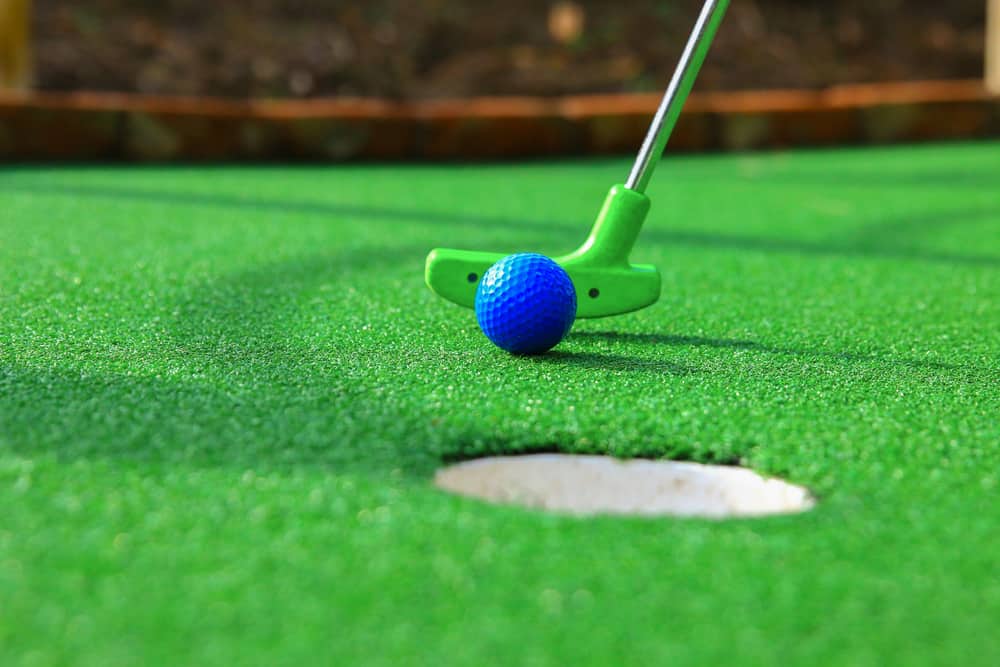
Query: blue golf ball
[[526, 303]]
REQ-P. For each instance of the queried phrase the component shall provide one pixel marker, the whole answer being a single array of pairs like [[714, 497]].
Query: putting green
[[223, 393]]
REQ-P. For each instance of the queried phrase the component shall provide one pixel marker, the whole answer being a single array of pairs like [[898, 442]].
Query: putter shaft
[[680, 86]]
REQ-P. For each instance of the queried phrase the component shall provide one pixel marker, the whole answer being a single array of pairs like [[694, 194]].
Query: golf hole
[[595, 485]]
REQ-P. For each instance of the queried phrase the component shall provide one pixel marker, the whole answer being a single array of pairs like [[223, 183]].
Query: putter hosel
[[614, 232]]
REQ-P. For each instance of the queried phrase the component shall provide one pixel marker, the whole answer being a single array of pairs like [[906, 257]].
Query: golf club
[[606, 282]]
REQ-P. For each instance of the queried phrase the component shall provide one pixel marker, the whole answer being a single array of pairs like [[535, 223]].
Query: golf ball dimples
[[526, 303]]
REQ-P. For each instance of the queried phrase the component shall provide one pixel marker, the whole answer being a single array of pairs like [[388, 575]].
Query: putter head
[[455, 274], [601, 291], [606, 283]]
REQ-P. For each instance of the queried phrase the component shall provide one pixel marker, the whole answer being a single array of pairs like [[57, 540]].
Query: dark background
[[447, 48]]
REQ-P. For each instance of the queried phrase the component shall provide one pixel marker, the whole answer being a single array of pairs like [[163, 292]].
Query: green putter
[[606, 282]]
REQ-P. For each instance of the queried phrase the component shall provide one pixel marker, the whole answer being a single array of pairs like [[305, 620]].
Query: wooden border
[[94, 126]]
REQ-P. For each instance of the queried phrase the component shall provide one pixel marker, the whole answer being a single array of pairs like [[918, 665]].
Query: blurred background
[[424, 49]]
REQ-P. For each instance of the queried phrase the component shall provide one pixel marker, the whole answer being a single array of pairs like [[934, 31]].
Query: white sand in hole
[[590, 485]]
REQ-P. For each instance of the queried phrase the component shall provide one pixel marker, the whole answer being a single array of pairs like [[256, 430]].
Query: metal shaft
[[680, 86]]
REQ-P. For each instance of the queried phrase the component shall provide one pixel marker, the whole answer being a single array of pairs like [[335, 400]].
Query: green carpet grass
[[224, 390]]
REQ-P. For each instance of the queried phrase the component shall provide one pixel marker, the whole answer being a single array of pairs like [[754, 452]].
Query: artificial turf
[[223, 393]]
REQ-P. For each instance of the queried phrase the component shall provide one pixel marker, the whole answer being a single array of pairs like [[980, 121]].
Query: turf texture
[[224, 390]]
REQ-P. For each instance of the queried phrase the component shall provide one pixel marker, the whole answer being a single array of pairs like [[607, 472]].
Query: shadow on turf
[[828, 178], [472, 448], [877, 240], [870, 246], [260, 205], [736, 344], [613, 362], [237, 372]]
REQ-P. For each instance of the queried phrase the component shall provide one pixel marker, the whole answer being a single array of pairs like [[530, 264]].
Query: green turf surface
[[223, 392]]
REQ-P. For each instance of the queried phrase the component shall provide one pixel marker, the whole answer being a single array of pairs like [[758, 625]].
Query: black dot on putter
[[472, 277], [594, 292]]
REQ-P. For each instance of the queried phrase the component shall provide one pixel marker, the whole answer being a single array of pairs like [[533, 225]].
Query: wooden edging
[[96, 126]]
